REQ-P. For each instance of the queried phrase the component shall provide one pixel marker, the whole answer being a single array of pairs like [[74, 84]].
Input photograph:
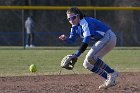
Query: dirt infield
[[78, 83]]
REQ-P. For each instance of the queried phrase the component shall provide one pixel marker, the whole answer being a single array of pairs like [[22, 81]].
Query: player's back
[[96, 25]]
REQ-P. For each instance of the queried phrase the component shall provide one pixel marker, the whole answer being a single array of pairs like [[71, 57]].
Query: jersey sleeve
[[85, 28]]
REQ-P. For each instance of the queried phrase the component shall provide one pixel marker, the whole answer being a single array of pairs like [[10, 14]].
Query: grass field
[[16, 62]]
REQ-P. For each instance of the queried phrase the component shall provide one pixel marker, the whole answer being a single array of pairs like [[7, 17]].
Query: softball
[[33, 68]]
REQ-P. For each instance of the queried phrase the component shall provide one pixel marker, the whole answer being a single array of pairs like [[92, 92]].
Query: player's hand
[[62, 37]]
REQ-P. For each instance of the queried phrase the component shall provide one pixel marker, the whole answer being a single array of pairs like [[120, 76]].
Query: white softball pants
[[100, 49]]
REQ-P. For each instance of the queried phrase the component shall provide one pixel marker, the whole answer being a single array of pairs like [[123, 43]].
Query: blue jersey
[[88, 28]]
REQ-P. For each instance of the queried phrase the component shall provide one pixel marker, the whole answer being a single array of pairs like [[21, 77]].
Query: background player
[[29, 25], [105, 40]]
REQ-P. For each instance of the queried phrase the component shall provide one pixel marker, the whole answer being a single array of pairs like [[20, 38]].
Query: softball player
[[91, 29]]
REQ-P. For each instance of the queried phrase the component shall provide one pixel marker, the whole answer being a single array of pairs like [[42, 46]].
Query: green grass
[[17, 62], [124, 60]]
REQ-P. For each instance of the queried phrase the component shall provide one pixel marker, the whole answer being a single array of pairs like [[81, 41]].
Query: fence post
[[23, 34]]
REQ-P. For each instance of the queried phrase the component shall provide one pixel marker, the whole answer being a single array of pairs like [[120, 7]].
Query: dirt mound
[[78, 83]]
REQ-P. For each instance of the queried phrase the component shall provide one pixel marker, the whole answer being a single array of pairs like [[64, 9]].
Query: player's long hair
[[75, 10]]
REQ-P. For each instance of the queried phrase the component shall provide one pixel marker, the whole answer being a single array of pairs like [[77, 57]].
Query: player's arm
[[86, 39], [72, 37]]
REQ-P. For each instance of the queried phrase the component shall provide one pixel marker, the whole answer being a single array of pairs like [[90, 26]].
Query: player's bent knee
[[87, 65], [91, 60]]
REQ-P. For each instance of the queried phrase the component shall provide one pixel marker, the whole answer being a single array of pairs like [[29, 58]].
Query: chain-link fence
[[49, 24]]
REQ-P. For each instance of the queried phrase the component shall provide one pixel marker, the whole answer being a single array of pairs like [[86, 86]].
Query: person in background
[[90, 29], [29, 26]]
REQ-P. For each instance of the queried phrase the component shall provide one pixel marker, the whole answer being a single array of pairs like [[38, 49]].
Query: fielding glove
[[69, 61]]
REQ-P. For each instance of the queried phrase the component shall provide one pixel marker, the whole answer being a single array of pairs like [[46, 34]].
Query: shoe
[[111, 81], [32, 46], [105, 86], [112, 78], [27, 46]]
